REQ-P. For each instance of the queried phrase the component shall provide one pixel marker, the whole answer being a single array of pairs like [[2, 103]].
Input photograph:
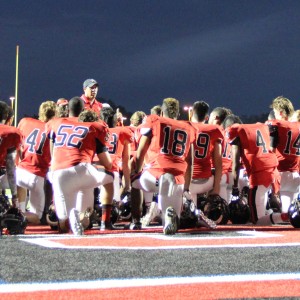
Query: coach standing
[[90, 88]]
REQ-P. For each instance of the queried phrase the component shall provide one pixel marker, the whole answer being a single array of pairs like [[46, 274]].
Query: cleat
[[171, 221], [203, 221], [75, 224], [107, 226], [152, 213], [85, 218], [63, 226], [135, 226]]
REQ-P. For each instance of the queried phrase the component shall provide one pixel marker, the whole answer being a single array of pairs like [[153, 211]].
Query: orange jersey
[[134, 144], [204, 144], [285, 138], [226, 156], [95, 105], [169, 147], [75, 142], [10, 138], [117, 139], [260, 162], [35, 147]]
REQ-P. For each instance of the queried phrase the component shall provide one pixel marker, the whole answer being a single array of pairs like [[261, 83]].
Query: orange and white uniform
[[10, 140], [260, 162], [170, 144], [119, 138], [34, 165], [167, 153], [285, 137], [209, 136], [74, 146]]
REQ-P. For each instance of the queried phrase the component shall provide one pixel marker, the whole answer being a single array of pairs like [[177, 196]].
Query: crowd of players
[[81, 161]]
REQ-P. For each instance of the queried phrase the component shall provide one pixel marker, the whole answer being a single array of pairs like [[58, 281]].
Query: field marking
[[142, 282], [146, 241]]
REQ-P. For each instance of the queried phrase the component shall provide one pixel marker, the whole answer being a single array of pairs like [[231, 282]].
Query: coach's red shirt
[[94, 105]]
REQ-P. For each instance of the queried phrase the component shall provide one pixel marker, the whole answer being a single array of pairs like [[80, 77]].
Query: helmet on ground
[[14, 220], [274, 202], [4, 204], [294, 212], [125, 207], [188, 218], [239, 211], [51, 217], [216, 209]]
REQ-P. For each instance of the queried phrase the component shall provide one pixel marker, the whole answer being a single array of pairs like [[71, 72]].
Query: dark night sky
[[234, 53]]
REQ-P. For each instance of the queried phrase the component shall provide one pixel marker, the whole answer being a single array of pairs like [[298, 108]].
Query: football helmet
[[188, 218], [125, 206], [14, 220], [274, 202], [216, 209], [201, 200], [239, 211], [4, 204], [294, 212], [51, 217]]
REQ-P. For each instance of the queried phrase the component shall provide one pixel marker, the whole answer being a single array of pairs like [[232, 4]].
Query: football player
[[285, 137], [74, 145], [10, 143], [119, 143], [62, 108], [35, 161], [207, 153], [168, 172], [251, 142]]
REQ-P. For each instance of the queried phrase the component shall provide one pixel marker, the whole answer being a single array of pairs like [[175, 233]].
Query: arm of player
[[11, 177], [126, 166], [189, 171], [217, 159], [105, 160], [235, 154], [141, 152]]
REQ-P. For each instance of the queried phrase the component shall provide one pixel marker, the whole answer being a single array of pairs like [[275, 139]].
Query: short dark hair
[[108, 115], [231, 119], [3, 111], [222, 113], [200, 110], [88, 116], [76, 106]]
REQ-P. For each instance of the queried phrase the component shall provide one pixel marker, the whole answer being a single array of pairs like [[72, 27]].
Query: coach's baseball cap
[[90, 83]]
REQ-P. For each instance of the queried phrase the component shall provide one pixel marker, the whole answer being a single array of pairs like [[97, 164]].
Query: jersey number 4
[[36, 141]]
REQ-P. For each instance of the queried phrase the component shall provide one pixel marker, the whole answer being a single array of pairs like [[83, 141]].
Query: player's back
[[35, 147], [255, 142], [10, 137], [75, 142], [286, 139], [170, 143], [226, 155], [118, 137], [207, 136]]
